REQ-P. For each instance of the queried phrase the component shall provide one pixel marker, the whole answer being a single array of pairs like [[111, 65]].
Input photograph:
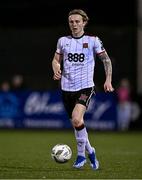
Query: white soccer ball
[[61, 153]]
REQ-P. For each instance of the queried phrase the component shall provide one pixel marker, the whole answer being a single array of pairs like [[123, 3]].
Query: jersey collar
[[78, 37]]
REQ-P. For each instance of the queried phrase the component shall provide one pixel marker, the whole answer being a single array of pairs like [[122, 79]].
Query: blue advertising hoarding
[[36, 109]]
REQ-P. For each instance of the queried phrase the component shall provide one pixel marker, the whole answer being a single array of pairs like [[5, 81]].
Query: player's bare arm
[[56, 66], [108, 71]]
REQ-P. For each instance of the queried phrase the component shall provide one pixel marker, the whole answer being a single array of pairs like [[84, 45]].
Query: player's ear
[[85, 23]]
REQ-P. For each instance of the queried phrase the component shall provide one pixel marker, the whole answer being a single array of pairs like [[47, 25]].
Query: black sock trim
[[80, 127]]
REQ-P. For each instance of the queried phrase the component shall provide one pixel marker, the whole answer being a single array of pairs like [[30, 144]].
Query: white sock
[[88, 147], [84, 133], [81, 139]]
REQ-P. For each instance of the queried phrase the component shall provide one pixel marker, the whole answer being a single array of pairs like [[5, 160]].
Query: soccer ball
[[61, 153]]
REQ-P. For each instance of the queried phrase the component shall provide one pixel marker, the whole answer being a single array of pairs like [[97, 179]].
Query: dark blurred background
[[29, 31]]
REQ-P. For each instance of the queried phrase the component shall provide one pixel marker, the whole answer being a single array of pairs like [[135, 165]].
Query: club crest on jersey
[[85, 45]]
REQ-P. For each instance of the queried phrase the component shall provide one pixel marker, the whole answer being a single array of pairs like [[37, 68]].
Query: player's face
[[76, 25]]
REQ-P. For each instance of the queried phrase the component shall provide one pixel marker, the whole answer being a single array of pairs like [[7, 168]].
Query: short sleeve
[[59, 46], [99, 48]]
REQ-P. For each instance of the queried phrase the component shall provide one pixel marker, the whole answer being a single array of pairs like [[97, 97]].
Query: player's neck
[[78, 35]]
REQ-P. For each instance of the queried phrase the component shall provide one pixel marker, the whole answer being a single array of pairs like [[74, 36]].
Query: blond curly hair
[[80, 12]]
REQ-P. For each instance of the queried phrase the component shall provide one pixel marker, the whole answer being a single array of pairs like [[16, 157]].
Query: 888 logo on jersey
[[76, 57]]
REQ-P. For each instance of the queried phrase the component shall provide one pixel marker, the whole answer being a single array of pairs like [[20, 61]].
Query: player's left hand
[[108, 87]]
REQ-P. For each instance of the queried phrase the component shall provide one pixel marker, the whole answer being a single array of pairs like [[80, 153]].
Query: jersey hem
[[72, 90]]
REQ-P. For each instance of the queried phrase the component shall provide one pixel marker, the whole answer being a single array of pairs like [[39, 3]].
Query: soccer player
[[77, 53]]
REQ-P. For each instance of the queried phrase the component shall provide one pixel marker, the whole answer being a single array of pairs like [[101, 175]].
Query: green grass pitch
[[27, 155]]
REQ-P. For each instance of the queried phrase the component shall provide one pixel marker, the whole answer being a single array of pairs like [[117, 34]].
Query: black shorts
[[70, 99]]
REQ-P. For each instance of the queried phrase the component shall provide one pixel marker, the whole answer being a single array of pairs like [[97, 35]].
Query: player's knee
[[76, 121]]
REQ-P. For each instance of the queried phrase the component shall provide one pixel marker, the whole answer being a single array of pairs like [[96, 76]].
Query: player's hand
[[57, 75], [108, 87]]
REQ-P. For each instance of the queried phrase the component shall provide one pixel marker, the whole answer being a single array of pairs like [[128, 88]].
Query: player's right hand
[[57, 75]]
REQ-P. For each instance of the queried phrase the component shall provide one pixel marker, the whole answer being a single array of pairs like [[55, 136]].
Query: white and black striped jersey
[[78, 61]]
